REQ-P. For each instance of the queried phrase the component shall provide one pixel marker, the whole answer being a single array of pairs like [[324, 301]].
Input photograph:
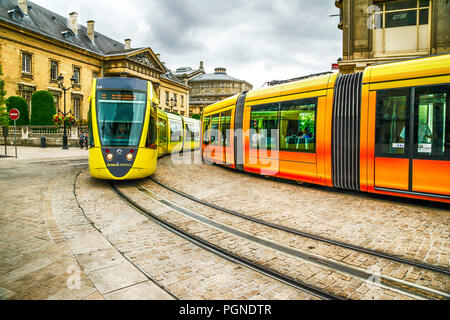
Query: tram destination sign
[[118, 95], [14, 114]]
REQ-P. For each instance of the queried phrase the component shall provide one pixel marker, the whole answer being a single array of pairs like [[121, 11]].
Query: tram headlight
[[109, 156], [129, 156]]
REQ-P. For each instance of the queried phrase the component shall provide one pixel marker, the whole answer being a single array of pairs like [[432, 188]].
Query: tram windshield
[[120, 115]]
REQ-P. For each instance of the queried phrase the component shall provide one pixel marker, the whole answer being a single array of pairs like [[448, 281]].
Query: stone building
[[375, 31], [208, 88], [37, 45]]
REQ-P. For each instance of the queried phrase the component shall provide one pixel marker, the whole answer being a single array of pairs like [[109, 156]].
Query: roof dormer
[[16, 14], [69, 35]]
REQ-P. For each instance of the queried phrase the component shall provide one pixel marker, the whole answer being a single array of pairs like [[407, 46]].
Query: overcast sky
[[255, 40]]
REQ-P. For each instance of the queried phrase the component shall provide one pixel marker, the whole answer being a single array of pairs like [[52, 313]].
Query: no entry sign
[[14, 114]]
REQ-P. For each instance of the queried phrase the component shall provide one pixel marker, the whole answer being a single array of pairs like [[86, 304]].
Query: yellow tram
[[127, 132]]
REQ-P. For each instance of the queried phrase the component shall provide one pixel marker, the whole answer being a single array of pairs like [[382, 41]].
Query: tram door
[[225, 137], [412, 140]]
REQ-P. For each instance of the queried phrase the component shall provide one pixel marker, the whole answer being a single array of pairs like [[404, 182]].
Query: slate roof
[[214, 77], [51, 24], [170, 76]]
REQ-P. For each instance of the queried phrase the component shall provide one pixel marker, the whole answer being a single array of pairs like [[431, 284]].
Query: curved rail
[[224, 253], [309, 235]]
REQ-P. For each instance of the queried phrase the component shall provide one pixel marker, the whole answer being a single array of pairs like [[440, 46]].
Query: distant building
[[208, 88], [376, 31], [37, 45]]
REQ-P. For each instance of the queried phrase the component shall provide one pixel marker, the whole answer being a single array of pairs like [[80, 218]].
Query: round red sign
[[14, 114]]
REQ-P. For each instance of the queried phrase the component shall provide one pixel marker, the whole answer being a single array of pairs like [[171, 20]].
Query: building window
[[401, 26], [56, 99], [53, 70], [95, 75], [77, 107], [182, 101], [26, 62], [27, 96], [77, 75]]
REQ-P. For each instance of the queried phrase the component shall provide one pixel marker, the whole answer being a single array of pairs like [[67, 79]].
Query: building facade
[[208, 88], [376, 31], [37, 45]]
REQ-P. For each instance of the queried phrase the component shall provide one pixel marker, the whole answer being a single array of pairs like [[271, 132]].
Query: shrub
[[20, 104], [42, 108], [196, 116], [3, 113]]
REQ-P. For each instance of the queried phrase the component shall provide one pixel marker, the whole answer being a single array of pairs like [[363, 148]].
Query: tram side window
[[432, 121], [264, 127], [392, 122], [225, 119], [188, 133], [195, 132], [162, 131], [175, 131], [91, 133], [298, 125], [152, 129], [206, 129], [215, 119]]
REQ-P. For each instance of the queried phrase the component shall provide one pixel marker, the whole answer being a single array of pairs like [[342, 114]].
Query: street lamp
[[171, 103], [61, 86]]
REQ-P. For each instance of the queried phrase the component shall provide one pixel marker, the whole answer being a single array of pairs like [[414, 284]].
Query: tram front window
[[120, 115]]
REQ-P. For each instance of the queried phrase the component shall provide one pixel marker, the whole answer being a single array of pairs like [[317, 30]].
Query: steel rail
[[309, 235], [224, 253], [404, 287]]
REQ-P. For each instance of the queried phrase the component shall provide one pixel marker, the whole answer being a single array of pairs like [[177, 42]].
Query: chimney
[[201, 64], [90, 30], [23, 5], [220, 70], [127, 44], [74, 22]]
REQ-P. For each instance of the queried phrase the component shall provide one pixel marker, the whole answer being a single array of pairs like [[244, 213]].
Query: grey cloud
[[253, 39]]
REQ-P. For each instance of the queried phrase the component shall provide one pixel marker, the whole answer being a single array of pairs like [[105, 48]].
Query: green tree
[[20, 104], [42, 108], [196, 116], [4, 118]]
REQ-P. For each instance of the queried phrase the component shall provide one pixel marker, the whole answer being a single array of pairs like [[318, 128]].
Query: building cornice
[[43, 37]]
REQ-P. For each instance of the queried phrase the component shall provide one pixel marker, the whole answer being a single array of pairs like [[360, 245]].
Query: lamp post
[[61, 86], [171, 103]]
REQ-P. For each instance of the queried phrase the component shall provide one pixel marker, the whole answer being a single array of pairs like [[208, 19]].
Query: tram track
[[226, 254], [389, 281], [311, 236], [403, 287]]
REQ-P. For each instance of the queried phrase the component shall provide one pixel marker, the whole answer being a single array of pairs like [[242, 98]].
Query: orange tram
[[385, 130]]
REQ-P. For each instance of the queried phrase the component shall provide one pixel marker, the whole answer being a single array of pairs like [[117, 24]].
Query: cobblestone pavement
[[65, 235], [179, 266], [410, 229], [35, 261], [48, 249], [322, 277], [360, 261]]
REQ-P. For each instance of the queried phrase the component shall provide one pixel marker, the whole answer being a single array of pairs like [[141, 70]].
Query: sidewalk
[[36, 153], [48, 247]]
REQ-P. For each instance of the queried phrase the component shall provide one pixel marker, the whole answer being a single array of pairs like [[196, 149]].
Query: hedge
[[20, 104], [42, 108]]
